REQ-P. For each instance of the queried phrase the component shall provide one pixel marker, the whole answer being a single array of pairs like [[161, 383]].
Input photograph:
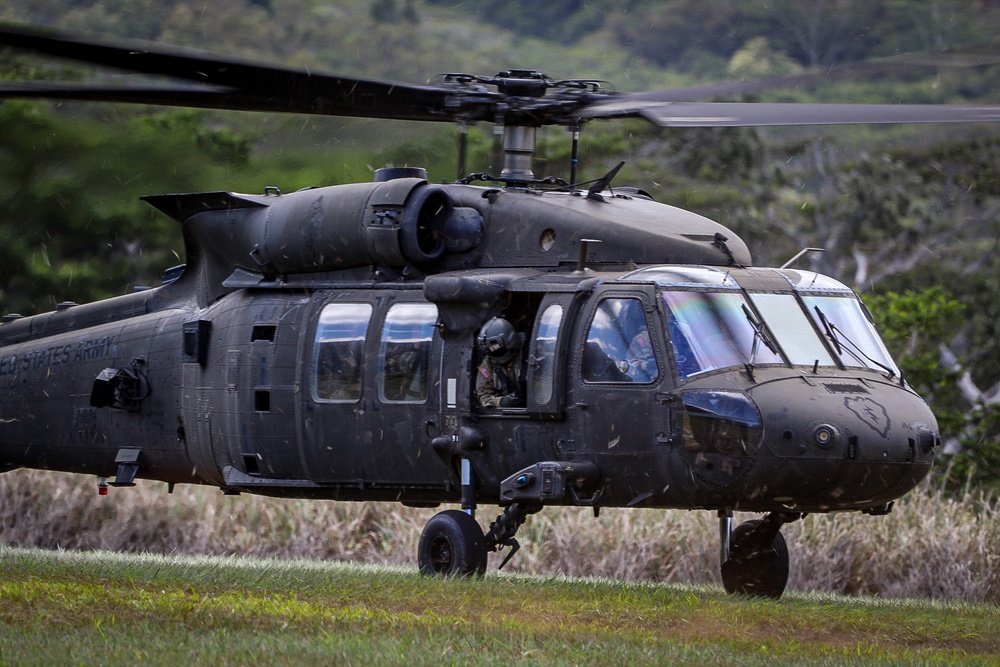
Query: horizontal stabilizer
[[181, 207]]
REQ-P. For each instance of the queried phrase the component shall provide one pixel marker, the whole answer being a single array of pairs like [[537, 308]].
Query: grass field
[[61, 607]]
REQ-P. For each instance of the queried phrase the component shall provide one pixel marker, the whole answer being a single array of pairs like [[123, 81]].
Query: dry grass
[[931, 546]]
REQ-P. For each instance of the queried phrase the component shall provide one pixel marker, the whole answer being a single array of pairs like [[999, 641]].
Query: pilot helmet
[[498, 339]]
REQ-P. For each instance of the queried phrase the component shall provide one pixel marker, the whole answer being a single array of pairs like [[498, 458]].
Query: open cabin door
[[547, 353], [549, 305]]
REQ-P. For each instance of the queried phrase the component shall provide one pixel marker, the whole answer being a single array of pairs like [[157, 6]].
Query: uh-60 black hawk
[[336, 342]]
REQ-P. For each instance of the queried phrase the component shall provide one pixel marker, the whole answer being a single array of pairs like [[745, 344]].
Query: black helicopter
[[327, 343]]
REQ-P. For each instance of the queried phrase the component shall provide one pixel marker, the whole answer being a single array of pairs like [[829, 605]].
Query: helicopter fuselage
[[751, 388]]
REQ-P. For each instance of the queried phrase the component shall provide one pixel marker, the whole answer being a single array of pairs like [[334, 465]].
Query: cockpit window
[[405, 351], [340, 343], [618, 347], [795, 332], [711, 330], [850, 331]]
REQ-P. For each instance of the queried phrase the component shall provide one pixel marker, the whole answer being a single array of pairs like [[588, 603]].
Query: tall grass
[[932, 545]]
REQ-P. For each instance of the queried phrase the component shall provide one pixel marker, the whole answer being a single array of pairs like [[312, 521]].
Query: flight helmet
[[498, 339]]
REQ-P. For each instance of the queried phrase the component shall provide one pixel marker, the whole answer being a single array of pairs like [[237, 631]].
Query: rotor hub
[[522, 83]]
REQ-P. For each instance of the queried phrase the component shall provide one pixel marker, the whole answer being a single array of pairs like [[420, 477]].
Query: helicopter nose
[[840, 444]]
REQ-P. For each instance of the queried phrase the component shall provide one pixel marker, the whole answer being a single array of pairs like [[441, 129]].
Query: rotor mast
[[519, 140], [529, 99], [518, 153]]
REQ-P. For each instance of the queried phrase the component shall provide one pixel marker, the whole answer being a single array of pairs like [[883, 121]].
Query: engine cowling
[[396, 223]]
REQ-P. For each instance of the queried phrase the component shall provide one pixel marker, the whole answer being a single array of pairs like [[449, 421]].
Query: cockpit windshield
[[710, 330], [847, 326], [795, 332]]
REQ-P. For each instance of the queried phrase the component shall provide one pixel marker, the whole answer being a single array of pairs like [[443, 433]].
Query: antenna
[[799, 254], [594, 191], [463, 146], [574, 157]]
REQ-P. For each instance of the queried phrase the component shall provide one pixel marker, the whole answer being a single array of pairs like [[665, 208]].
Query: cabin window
[[544, 358], [618, 347], [405, 352], [340, 344]]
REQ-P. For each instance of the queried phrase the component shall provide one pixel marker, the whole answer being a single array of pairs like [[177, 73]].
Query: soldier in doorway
[[498, 383]]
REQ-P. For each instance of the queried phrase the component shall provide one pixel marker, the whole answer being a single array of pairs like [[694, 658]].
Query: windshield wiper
[[838, 337], [759, 336]]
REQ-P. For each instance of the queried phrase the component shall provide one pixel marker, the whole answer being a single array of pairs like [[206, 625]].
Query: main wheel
[[754, 568], [452, 543]]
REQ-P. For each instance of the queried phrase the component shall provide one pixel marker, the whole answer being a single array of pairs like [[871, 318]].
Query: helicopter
[[326, 343]]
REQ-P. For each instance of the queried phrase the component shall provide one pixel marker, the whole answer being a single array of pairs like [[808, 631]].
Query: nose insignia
[[871, 413]]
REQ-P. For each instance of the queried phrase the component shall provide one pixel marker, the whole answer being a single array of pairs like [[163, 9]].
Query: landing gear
[[501, 532], [452, 543], [756, 560]]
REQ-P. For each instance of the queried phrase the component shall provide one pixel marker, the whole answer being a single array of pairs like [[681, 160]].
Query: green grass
[[102, 608]]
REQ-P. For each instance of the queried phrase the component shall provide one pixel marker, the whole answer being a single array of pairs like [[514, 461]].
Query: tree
[[916, 325], [72, 226], [757, 60]]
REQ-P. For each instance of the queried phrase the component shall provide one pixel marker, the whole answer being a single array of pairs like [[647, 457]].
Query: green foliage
[[979, 460], [388, 11], [558, 20], [680, 32], [913, 324], [757, 60], [972, 164], [221, 144], [882, 193], [73, 226]]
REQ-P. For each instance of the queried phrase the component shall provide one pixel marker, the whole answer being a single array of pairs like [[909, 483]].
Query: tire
[[452, 544], [755, 570]]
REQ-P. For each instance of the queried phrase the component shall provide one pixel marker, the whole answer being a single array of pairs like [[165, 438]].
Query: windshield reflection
[[710, 330]]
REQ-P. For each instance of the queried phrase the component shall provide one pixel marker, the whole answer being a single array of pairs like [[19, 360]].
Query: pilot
[[640, 357], [498, 384]]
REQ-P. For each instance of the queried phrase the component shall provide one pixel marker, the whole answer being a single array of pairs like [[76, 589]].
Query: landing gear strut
[[453, 543], [755, 556], [501, 532]]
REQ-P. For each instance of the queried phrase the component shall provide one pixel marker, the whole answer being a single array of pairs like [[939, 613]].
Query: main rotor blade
[[754, 114], [852, 70], [218, 97], [233, 84]]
